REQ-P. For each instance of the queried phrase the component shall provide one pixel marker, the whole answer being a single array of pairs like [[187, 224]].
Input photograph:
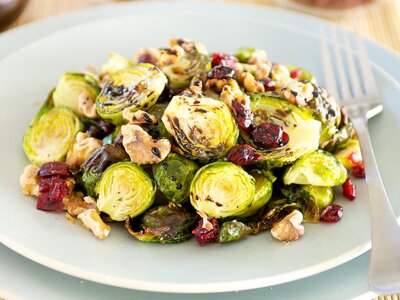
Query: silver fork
[[360, 99]]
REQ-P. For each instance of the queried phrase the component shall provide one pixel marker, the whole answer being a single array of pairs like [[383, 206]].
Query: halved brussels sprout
[[319, 168], [244, 54], [204, 128], [304, 74], [135, 88], [163, 224], [349, 153], [51, 134], [298, 123], [232, 231], [222, 189], [262, 195], [100, 160], [313, 199], [71, 87], [115, 63], [124, 190], [174, 175]]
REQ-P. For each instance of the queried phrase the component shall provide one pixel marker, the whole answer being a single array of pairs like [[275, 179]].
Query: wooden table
[[379, 21]]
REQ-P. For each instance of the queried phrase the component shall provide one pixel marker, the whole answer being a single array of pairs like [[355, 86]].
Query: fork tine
[[343, 82], [330, 81]]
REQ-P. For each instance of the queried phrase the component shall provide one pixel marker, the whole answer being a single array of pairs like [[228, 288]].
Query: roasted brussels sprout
[[232, 231], [115, 63], [262, 194], [135, 88], [72, 88], [318, 168], [174, 175], [51, 134], [313, 199], [163, 224], [222, 189], [124, 190], [100, 160], [204, 128], [244, 54], [298, 123], [159, 129]]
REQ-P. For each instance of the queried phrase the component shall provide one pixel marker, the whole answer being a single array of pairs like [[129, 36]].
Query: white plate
[[30, 72]]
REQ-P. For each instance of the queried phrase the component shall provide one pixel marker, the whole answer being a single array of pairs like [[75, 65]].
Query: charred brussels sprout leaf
[[232, 231], [222, 189], [51, 134], [164, 224], [124, 190], [262, 194], [298, 123], [318, 168], [204, 128], [71, 87], [173, 176], [135, 88], [100, 160]]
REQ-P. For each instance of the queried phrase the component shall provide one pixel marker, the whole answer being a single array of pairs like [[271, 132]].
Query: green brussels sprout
[[71, 86], [244, 54], [222, 189], [204, 128], [164, 224], [262, 194], [124, 190], [100, 160], [305, 75], [313, 199], [318, 168], [349, 153], [51, 134], [181, 72], [173, 177], [115, 63], [232, 231], [157, 110], [135, 88], [298, 123]]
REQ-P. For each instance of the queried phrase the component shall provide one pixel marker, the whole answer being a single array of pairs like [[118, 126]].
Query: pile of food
[[178, 143]]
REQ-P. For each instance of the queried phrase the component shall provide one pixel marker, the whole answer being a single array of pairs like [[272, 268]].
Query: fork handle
[[384, 271]]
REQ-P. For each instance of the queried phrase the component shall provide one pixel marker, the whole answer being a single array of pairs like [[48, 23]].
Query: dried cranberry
[[223, 59], [147, 58], [269, 136], [332, 213], [269, 84], [53, 168], [244, 155], [243, 115], [46, 203], [358, 171], [205, 236], [355, 158], [349, 189], [51, 192], [295, 74], [221, 72]]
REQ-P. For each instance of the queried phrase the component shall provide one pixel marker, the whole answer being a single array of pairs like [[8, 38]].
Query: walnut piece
[[92, 221], [29, 180], [289, 228], [141, 147], [139, 117], [81, 149], [75, 203], [250, 83], [86, 106]]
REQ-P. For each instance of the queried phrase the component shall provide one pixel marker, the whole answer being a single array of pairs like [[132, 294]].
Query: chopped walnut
[[29, 180], [81, 149], [231, 92], [92, 221], [75, 203], [170, 56], [141, 146], [289, 228], [86, 106], [206, 223], [139, 117], [280, 74], [188, 45], [250, 83], [298, 92]]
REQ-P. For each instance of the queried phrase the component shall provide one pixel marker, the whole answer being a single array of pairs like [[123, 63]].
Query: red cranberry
[[244, 155], [349, 189], [221, 72], [51, 192], [269, 136], [269, 84], [223, 60], [295, 74], [243, 116], [332, 213], [358, 171], [147, 58], [205, 236], [355, 158], [46, 203], [53, 168]]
